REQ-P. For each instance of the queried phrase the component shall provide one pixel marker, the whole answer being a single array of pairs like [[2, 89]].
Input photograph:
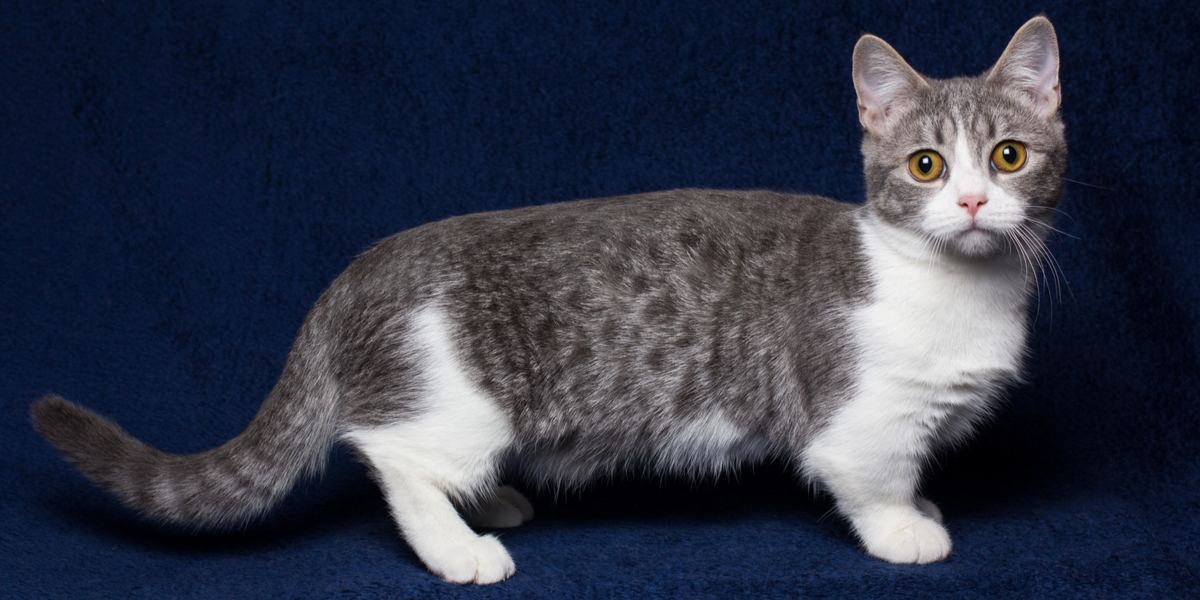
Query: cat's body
[[603, 330], [687, 331]]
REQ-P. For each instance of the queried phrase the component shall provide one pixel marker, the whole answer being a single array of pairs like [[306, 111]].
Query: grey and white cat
[[688, 331]]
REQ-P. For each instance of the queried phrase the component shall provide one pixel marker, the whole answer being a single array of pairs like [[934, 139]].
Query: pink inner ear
[[1045, 89], [881, 89], [1047, 79], [1031, 65], [869, 92], [875, 115], [883, 82]]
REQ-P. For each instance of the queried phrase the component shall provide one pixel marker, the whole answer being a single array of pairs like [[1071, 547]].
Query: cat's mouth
[[977, 240], [977, 233]]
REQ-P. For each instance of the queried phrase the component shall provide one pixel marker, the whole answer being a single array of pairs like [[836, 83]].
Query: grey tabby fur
[[596, 326]]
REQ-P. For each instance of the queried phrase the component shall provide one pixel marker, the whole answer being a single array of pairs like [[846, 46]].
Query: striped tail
[[289, 437]]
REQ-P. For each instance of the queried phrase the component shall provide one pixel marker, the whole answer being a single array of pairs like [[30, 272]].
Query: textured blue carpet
[[178, 184]]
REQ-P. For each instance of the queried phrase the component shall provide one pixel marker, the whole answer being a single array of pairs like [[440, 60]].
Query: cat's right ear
[[1030, 65], [885, 84]]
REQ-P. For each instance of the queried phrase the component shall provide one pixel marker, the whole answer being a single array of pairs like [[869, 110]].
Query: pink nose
[[972, 203]]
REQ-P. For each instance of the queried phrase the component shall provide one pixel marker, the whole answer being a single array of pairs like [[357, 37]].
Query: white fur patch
[[934, 324], [449, 447], [457, 434], [932, 342], [709, 443]]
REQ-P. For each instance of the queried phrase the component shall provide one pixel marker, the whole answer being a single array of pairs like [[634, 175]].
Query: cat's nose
[[972, 203]]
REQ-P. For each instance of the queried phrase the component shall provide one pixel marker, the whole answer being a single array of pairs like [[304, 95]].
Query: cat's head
[[964, 163]]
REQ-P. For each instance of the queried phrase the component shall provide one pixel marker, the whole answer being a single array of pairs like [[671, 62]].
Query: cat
[[686, 331]]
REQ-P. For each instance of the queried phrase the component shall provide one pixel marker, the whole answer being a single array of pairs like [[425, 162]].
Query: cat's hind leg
[[446, 447], [423, 469], [436, 532], [506, 508]]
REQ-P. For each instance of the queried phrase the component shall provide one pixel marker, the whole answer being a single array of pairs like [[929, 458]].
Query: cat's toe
[[919, 541], [493, 562], [455, 565], [929, 509], [484, 560]]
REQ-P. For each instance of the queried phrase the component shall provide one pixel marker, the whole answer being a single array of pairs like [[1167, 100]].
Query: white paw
[[929, 509], [904, 536], [508, 508], [483, 560]]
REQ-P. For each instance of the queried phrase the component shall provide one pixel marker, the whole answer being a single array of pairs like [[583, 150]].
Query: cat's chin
[[978, 243]]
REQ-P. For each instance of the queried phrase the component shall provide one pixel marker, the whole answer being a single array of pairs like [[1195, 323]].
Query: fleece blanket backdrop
[[179, 182]]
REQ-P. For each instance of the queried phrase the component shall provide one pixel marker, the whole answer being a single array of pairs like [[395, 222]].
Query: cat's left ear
[[885, 84], [1030, 65]]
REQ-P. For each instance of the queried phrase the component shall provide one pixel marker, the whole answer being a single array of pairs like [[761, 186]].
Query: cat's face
[[971, 164]]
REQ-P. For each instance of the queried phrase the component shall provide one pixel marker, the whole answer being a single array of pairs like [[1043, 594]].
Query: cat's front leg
[[870, 456]]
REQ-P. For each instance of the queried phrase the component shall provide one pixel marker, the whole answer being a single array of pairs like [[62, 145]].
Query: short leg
[[439, 536], [507, 508], [871, 460], [448, 446]]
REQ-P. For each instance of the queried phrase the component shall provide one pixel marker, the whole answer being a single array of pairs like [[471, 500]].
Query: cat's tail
[[289, 437]]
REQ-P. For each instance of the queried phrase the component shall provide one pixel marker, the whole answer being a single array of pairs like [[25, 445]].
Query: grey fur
[[597, 326], [240, 480], [991, 116]]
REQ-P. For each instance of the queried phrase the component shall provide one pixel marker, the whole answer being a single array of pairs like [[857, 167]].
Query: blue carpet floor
[[179, 182]]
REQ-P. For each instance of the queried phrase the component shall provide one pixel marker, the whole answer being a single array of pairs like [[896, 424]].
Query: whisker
[[1057, 210], [1011, 244], [1091, 185], [1055, 267], [928, 248], [1058, 231], [1039, 252], [1054, 264], [1047, 226], [1027, 269]]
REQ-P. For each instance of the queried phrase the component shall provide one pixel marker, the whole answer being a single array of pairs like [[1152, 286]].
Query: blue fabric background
[[179, 183]]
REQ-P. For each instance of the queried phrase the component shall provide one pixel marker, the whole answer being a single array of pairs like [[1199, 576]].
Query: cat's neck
[[899, 242], [895, 246]]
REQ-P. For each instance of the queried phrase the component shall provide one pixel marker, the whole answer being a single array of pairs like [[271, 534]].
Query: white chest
[[936, 326]]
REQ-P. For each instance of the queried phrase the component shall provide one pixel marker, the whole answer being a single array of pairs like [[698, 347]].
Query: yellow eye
[[925, 165], [1009, 156]]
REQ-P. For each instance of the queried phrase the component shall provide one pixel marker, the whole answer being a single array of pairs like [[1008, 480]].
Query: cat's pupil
[[1009, 154], [925, 164]]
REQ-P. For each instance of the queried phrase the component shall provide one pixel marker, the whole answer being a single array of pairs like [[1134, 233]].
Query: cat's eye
[[1009, 156], [925, 165]]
